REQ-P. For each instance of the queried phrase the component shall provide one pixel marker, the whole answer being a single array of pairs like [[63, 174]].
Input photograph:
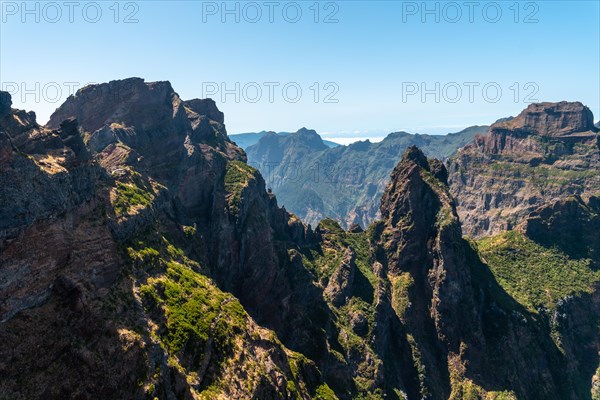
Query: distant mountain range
[[315, 181], [245, 140]]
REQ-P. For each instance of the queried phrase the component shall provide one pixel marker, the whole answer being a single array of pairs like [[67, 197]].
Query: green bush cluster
[[129, 195], [238, 176], [325, 393]]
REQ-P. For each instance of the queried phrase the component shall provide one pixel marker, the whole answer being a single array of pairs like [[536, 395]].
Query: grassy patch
[[194, 309], [401, 285], [238, 176], [323, 261], [189, 231], [129, 196], [463, 388], [325, 393], [189, 305], [534, 275], [435, 183]]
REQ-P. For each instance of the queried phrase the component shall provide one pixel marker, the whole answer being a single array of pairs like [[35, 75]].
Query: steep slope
[[344, 183], [559, 285], [476, 321], [105, 246], [548, 152], [420, 315]]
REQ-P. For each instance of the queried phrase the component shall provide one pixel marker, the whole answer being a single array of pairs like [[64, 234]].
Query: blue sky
[[369, 62]]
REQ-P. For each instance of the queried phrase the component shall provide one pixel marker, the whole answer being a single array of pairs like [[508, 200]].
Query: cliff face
[[141, 257], [420, 314], [111, 232], [549, 151], [572, 224], [468, 329]]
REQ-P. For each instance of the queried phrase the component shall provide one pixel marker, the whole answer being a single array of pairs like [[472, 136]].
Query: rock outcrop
[[572, 224], [340, 284], [548, 152]]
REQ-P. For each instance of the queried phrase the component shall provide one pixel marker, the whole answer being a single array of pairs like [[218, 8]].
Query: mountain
[[245, 140], [141, 257], [548, 152], [346, 182], [122, 232]]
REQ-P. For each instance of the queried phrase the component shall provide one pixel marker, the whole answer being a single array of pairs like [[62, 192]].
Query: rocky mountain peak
[[415, 155], [547, 152], [417, 191], [146, 123], [360, 145], [550, 119], [305, 131], [129, 102], [310, 138], [206, 107]]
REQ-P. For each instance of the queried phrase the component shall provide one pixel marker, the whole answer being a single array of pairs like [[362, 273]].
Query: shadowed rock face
[[573, 224], [5, 103], [549, 151], [340, 284]]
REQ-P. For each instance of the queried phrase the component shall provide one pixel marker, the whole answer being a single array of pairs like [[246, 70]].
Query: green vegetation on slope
[[355, 319], [322, 261], [205, 332], [194, 308], [534, 275], [129, 196], [542, 175], [325, 393], [238, 176], [192, 305]]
